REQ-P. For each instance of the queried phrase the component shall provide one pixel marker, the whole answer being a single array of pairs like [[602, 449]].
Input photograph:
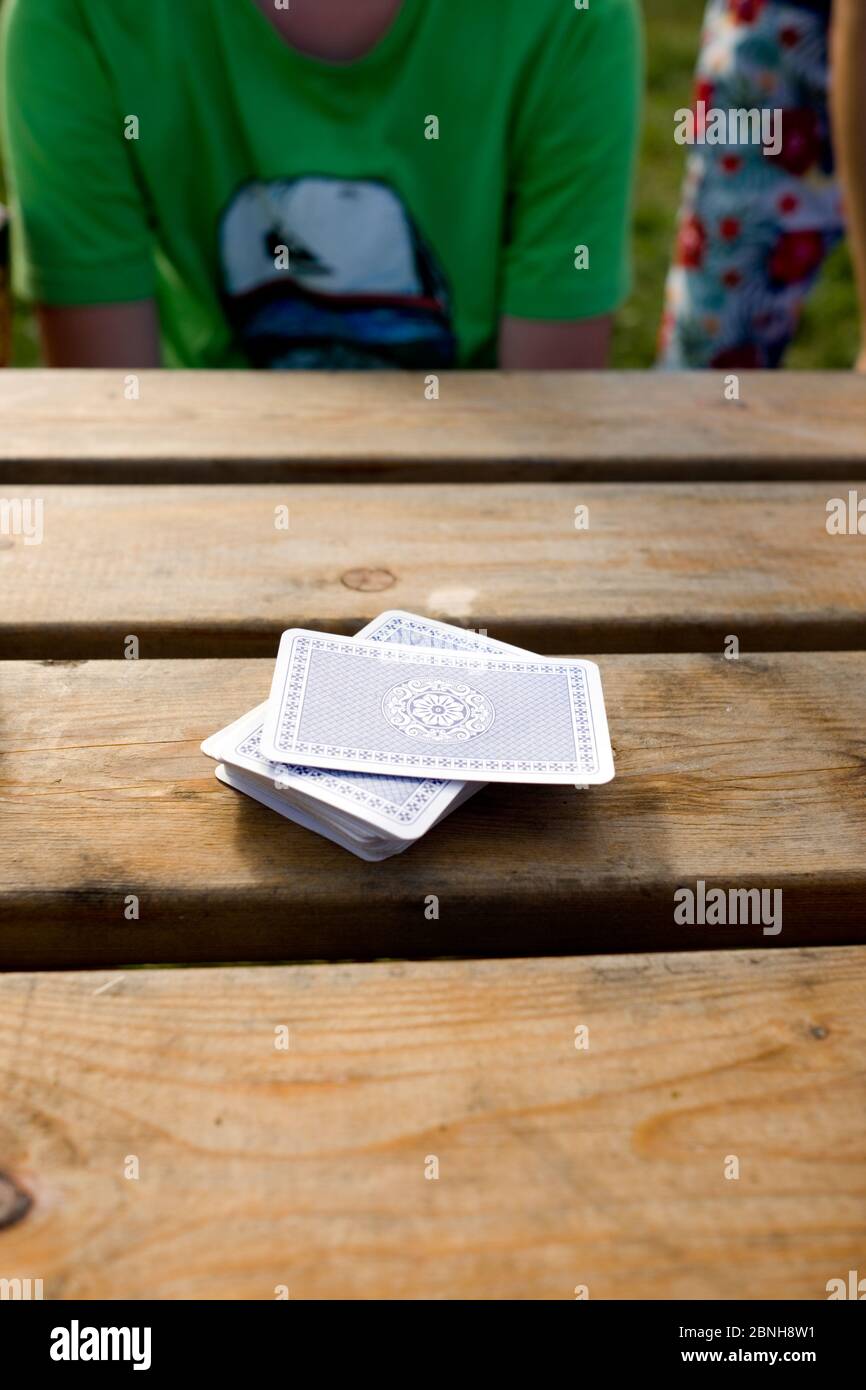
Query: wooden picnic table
[[484, 427], [561, 1167], [558, 1168]]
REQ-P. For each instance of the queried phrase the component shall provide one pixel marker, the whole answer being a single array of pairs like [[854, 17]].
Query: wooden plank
[[485, 426], [205, 571], [603, 1166], [740, 774]]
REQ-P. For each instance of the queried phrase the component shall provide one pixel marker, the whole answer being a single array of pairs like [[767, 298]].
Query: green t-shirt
[[290, 212]]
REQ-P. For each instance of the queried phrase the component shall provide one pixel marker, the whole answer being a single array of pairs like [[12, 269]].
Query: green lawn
[[829, 334]]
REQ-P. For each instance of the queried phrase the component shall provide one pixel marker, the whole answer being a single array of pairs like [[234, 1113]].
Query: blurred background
[[829, 334]]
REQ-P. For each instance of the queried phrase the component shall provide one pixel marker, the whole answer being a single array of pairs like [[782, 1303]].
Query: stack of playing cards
[[372, 740]]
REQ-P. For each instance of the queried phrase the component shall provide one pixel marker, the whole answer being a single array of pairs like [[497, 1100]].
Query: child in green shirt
[[339, 183]]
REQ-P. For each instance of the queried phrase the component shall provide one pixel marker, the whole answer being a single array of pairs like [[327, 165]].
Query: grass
[[829, 333]]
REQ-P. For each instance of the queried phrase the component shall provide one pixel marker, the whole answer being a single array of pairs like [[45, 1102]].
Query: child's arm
[[125, 336], [848, 63], [572, 149], [82, 245], [539, 344]]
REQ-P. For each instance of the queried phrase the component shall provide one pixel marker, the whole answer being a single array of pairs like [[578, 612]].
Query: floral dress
[[754, 228]]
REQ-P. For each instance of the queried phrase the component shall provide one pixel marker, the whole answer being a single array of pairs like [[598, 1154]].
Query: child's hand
[[860, 364]]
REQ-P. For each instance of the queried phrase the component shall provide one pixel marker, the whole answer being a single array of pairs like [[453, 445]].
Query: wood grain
[[602, 1167], [745, 774], [205, 571], [248, 426]]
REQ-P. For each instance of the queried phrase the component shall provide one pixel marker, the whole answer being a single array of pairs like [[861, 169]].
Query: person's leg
[[754, 229]]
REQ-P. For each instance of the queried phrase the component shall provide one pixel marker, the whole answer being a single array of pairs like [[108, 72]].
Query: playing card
[[260, 791], [411, 630], [397, 710], [405, 807], [289, 795]]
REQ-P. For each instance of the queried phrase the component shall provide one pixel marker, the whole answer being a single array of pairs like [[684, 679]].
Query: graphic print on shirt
[[357, 286]]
